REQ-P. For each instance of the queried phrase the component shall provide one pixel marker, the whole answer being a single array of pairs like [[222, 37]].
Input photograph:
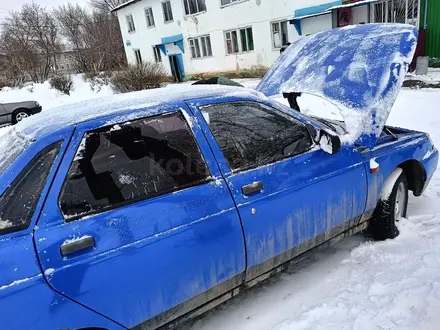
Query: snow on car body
[[138, 209]]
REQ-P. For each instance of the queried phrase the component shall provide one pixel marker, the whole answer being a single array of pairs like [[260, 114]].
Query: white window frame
[[231, 3], [279, 23], [149, 16], [157, 54], [240, 41], [199, 48], [198, 10], [138, 59], [167, 3], [130, 23]]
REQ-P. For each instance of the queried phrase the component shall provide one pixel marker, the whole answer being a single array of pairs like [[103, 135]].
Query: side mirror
[[328, 141]]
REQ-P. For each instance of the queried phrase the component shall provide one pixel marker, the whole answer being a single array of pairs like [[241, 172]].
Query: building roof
[[327, 8], [123, 5]]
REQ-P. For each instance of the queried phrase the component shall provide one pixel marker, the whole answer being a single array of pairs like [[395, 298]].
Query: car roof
[[54, 119]]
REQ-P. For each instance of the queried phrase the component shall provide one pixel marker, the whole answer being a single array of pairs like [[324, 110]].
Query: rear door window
[[125, 163], [18, 202], [251, 134]]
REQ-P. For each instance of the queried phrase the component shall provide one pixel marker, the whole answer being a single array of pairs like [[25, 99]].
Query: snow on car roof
[[49, 121]]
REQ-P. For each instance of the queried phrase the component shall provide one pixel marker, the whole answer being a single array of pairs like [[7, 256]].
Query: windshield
[[12, 145]]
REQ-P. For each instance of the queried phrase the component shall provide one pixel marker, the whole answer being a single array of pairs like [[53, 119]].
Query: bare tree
[[106, 5], [72, 19], [29, 40], [94, 37]]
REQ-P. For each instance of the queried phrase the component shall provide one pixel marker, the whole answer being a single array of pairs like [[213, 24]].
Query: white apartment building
[[195, 36]]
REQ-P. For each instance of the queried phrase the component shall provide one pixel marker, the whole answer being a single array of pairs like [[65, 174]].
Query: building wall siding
[[256, 13], [433, 31]]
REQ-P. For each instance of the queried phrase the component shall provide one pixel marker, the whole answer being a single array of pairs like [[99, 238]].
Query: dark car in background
[[12, 113]]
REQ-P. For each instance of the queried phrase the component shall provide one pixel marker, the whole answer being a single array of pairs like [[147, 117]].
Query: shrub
[[147, 75], [63, 83], [255, 72], [97, 80]]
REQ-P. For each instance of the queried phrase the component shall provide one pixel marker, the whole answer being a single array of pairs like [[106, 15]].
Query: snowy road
[[356, 284]]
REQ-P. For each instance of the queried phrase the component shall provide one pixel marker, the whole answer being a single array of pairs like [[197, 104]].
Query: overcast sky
[[8, 5]]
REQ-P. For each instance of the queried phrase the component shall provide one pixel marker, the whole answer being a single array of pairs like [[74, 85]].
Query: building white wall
[[360, 14], [316, 24], [215, 21]]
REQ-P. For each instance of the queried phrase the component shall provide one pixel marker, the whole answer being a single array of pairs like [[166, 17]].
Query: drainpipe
[[369, 12], [425, 22]]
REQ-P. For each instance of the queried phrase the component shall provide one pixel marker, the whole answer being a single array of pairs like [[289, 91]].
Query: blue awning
[[312, 12], [176, 39], [315, 10]]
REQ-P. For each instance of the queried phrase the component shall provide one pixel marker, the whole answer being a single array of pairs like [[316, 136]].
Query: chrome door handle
[[76, 245], [251, 188]]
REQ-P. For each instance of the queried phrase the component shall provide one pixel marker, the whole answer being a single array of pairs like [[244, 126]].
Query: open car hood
[[359, 69]]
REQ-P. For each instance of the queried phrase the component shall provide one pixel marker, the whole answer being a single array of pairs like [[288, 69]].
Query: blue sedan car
[[145, 209]]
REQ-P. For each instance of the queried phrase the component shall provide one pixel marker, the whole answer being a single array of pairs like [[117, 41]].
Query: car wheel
[[390, 211], [19, 116]]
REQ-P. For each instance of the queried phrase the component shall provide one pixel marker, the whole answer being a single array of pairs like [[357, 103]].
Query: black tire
[[383, 223], [17, 114]]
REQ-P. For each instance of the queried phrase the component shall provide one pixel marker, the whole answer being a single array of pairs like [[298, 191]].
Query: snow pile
[[433, 76], [388, 186], [50, 98], [362, 76]]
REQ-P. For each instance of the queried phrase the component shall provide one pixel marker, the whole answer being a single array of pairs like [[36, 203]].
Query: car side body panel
[[158, 259], [23, 288], [5, 117], [26, 299], [410, 146], [302, 197], [149, 256]]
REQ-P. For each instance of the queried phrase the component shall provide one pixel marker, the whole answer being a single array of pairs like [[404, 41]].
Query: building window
[[239, 41], [200, 47], [396, 11], [280, 35], [228, 2], [137, 54], [194, 6], [149, 16], [167, 12], [130, 23], [157, 55]]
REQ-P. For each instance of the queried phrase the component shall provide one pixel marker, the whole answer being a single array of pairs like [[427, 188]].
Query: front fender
[[415, 149]]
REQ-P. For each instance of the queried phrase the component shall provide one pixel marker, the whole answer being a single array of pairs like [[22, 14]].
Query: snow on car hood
[[360, 69]]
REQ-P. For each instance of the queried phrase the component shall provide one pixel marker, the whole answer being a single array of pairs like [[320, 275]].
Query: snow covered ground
[[433, 76], [357, 284]]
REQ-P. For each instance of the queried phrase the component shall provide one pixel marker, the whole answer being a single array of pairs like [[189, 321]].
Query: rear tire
[[19, 115], [387, 213]]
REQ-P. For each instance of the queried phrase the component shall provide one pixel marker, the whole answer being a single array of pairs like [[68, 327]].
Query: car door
[[290, 194], [139, 221], [4, 118]]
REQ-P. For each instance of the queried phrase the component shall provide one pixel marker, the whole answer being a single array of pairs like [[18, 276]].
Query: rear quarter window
[[18, 202], [12, 145]]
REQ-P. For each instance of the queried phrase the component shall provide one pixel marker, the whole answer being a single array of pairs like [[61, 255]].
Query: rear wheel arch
[[416, 175]]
